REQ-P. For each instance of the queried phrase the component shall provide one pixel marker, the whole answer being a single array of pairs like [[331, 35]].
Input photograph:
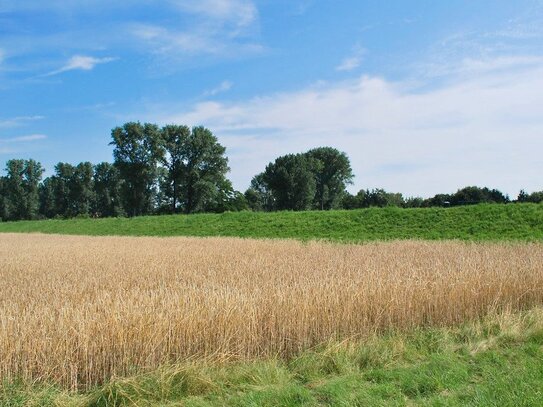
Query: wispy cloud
[[20, 144], [24, 139], [353, 61], [241, 13], [483, 128], [225, 86], [216, 28], [81, 62], [19, 121]]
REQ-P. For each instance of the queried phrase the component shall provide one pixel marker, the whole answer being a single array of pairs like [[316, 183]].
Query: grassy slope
[[481, 222], [496, 362]]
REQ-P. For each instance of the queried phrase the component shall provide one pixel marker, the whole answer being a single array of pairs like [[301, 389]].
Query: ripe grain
[[79, 310]]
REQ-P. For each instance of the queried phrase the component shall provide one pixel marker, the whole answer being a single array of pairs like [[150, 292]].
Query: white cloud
[[24, 139], [81, 62], [219, 28], [18, 121], [484, 128], [225, 86], [353, 61], [20, 144], [240, 12], [348, 64]]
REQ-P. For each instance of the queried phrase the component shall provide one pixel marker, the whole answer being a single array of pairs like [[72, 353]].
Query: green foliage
[[534, 197], [203, 172], [69, 193], [313, 180], [137, 150], [20, 189], [474, 195], [497, 361], [107, 190], [258, 196], [175, 140], [332, 173], [465, 196], [291, 180], [475, 222]]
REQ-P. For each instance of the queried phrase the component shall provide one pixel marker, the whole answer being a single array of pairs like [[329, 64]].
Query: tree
[[357, 201], [47, 198], [60, 184], [3, 199], [534, 197], [258, 195], [137, 149], [474, 195], [82, 190], [291, 180], [236, 202], [175, 139], [413, 202], [21, 189], [107, 190], [523, 196], [332, 171], [202, 174], [438, 200]]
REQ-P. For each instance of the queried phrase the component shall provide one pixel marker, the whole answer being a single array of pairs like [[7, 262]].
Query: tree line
[[178, 169]]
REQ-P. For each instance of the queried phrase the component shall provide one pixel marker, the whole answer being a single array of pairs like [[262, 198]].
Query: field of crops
[[78, 310]]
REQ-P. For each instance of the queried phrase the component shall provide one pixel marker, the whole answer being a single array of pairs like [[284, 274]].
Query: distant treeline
[[176, 169]]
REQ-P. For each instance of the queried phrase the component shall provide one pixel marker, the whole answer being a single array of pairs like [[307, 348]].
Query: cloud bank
[[482, 128]]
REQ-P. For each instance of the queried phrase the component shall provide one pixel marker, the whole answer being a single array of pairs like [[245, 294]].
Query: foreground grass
[[494, 362], [479, 222]]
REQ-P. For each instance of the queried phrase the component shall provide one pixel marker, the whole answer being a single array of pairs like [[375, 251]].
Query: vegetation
[[497, 361], [113, 306], [478, 222], [175, 169], [313, 180]]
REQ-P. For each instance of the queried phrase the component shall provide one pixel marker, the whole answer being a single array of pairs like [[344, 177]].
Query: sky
[[424, 96]]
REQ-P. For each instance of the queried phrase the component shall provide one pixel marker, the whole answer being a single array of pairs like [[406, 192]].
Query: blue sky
[[424, 96]]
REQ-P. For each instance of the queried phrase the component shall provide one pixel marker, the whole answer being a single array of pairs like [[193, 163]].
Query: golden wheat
[[79, 310]]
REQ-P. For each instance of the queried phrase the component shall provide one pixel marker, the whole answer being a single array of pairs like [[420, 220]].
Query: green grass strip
[[476, 223]]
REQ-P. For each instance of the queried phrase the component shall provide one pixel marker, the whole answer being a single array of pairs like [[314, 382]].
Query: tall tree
[[259, 197], [3, 199], [81, 190], [333, 173], [60, 184], [107, 190], [175, 139], [137, 150], [203, 171], [22, 188], [47, 198], [291, 180]]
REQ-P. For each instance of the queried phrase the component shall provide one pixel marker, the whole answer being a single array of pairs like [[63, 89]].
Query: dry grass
[[78, 310]]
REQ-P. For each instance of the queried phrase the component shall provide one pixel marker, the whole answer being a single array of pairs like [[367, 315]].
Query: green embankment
[[479, 222], [496, 362]]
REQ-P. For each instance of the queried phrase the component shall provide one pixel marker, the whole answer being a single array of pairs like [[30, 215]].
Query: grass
[[476, 223], [496, 361], [78, 310]]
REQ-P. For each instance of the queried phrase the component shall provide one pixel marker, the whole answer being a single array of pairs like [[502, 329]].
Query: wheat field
[[78, 310]]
